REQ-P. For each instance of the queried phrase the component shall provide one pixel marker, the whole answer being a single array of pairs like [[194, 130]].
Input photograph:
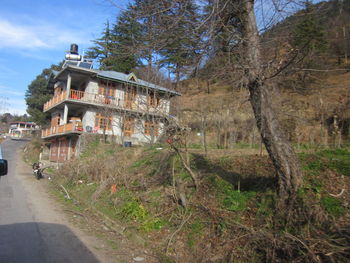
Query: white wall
[[89, 118], [92, 87]]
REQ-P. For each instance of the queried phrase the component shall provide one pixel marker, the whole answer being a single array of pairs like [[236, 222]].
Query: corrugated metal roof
[[126, 78], [114, 75]]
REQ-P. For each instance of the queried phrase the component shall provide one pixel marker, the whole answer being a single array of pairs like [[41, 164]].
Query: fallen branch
[[342, 191], [187, 167], [315, 258], [338, 195], [64, 189], [176, 231]]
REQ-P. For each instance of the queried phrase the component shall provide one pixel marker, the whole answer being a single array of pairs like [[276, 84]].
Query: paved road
[[31, 228]]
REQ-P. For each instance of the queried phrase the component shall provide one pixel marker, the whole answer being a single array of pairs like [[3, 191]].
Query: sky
[[35, 34]]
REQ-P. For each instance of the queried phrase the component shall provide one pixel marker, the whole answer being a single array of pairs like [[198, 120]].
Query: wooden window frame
[[103, 122], [152, 125], [107, 88], [153, 99], [130, 93], [128, 126]]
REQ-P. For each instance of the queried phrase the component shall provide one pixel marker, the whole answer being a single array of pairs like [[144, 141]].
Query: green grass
[[129, 209], [338, 159], [195, 230], [333, 206], [91, 148], [241, 145], [313, 164], [149, 158], [230, 198]]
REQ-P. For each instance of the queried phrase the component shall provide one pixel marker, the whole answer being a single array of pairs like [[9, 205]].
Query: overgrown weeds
[[230, 218]]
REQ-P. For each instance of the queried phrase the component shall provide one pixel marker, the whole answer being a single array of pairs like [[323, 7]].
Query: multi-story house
[[121, 106]]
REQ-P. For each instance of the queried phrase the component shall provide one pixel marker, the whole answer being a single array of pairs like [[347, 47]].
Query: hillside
[[208, 191], [139, 193], [310, 96]]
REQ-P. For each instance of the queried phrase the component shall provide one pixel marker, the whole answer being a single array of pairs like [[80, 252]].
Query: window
[[129, 97], [151, 128], [55, 121], [103, 122], [107, 88], [153, 99], [128, 127]]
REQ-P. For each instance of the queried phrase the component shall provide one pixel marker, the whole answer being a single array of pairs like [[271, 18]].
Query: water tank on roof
[[71, 56], [74, 49]]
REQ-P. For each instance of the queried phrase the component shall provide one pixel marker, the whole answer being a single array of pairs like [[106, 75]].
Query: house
[[22, 129], [128, 109]]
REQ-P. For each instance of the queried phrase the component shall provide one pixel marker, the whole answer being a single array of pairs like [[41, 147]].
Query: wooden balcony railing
[[76, 94], [100, 99], [61, 129], [55, 100]]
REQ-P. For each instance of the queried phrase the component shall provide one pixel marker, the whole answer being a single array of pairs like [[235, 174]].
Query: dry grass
[[230, 218]]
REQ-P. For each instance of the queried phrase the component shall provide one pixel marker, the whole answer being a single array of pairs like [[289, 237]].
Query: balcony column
[[69, 82], [65, 114]]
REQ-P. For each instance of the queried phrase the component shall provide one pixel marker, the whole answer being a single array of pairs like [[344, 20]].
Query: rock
[[139, 259]]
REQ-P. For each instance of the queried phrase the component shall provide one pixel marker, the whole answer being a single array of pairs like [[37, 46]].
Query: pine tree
[[180, 50], [102, 51], [38, 93], [308, 35], [126, 34]]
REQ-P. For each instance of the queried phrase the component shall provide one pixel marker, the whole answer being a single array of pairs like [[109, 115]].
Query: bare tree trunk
[[204, 132], [279, 149]]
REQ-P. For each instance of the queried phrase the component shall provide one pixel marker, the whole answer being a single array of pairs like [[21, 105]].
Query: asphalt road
[[31, 228]]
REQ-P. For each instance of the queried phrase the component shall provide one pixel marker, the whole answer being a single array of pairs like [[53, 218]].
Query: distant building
[[102, 102], [22, 129]]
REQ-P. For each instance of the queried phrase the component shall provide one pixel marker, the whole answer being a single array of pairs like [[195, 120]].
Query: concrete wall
[[89, 118], [92, 87], [137, 138]]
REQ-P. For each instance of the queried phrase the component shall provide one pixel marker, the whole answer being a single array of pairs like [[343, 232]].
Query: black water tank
[[74, 49]]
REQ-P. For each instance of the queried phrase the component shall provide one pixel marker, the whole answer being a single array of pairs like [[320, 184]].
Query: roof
[[22, 122], [114, 75], [126, 78]]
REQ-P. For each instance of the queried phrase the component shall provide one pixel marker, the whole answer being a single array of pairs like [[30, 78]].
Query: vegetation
[[236, 198], [38, 93]]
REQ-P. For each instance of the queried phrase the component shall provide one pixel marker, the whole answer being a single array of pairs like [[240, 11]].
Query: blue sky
[[35, 34]]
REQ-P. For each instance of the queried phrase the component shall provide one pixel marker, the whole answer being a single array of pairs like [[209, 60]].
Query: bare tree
[[280, 150]]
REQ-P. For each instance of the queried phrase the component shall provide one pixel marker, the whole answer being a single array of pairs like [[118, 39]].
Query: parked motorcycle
[[38, 170]]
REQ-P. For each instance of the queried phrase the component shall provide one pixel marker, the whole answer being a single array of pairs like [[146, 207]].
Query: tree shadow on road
[[40, 243]]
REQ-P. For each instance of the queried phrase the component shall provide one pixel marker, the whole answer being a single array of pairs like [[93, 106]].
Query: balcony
[[85, 97], [99, 99], [73, 127], [55, 100]]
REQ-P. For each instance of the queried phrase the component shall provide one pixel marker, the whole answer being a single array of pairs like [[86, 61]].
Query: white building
[[104, 102]]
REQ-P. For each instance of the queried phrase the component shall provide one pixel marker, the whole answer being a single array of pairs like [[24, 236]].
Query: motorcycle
[[38, 170]]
